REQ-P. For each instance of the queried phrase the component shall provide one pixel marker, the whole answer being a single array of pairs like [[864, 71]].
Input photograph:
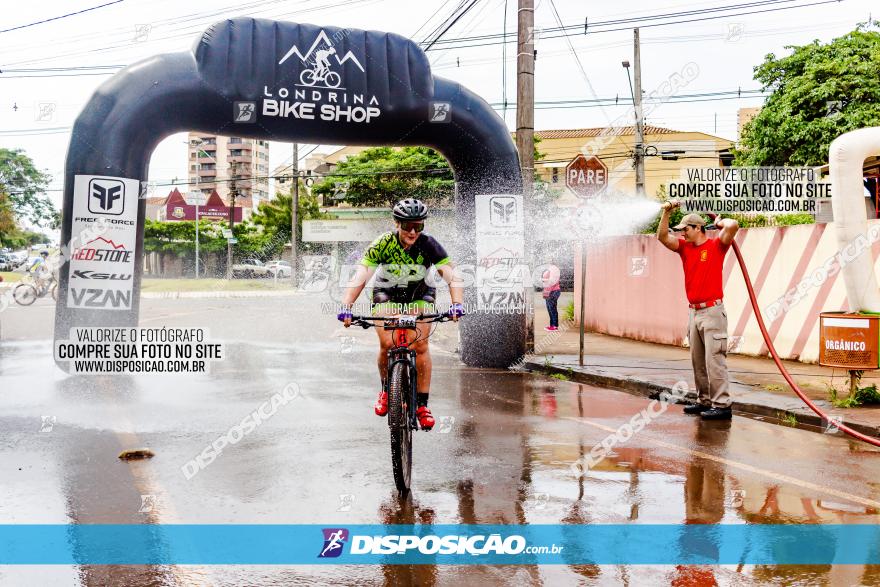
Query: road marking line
[[737, 465]]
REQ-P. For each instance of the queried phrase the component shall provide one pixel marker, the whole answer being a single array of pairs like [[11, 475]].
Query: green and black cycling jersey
[[401, 272]]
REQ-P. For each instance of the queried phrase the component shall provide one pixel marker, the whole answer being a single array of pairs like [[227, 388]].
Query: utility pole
[[525, 93], [525, 122], [294, 208], [233, 191], [640, 121]]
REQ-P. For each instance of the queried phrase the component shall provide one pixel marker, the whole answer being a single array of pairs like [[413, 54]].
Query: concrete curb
[[758, 405], [173, 295]]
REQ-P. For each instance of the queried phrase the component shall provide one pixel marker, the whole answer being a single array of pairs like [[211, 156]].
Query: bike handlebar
[[366, 321]]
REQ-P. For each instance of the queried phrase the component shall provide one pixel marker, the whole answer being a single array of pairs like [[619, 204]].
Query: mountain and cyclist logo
[[334, 540], [320, 58]]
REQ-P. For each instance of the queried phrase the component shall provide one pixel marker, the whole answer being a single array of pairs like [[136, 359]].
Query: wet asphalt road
[[501, 453]]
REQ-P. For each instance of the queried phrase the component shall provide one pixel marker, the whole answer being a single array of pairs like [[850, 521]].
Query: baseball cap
[[690, 219]]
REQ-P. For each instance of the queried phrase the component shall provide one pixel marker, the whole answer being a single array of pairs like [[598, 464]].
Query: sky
[[37, 108]]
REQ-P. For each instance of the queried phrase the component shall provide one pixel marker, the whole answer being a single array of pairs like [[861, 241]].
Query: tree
[[274, 215], [380, 176], [180, 238], [819, 92], [22, 188]]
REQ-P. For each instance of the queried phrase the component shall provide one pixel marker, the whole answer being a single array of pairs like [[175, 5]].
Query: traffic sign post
[[586, 176]]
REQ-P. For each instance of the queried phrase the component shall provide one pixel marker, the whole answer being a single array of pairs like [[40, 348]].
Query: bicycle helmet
[[410, 209], [44, 253]]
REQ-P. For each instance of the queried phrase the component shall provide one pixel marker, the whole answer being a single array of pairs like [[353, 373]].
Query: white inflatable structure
[[846, 158]]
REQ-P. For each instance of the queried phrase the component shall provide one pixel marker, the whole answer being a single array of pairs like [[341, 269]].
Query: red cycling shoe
[[381, 406], [426, 420]]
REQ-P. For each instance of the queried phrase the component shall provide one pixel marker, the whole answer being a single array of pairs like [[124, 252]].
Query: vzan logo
[[106, 196], [100, 298], [321, 94]]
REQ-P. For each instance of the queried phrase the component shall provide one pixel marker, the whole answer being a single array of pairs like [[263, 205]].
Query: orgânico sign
[[586, 176]]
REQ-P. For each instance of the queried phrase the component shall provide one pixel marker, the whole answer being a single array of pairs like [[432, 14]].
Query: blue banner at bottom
[[634, 544]]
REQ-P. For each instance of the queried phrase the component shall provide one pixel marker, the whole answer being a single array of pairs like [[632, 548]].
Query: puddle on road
[[502, 453]]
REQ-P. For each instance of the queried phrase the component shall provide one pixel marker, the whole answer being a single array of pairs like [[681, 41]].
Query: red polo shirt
[[702, 269]]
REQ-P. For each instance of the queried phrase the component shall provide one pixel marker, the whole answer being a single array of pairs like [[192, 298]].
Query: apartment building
[[218, 163]]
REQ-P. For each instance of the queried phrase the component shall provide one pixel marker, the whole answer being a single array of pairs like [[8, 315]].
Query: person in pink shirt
[[550, 283]]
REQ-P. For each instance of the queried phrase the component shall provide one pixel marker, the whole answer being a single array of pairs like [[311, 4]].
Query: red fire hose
[[782, 369]]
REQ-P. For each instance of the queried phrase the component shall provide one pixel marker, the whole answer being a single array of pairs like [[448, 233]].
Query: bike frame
[[401, 353]]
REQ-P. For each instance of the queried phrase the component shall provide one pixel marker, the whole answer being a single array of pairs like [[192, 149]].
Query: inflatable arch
[[279, 81]]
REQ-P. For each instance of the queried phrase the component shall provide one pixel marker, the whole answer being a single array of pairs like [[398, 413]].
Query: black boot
[[696, 409], [717, 414]]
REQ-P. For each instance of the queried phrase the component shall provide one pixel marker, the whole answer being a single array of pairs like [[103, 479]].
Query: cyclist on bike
[[401, 259], [40, 270], [322, 61]]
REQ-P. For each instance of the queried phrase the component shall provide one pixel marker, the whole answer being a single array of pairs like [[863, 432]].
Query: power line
[[580, 25], [428, 43], [24, 26], [633, 20]]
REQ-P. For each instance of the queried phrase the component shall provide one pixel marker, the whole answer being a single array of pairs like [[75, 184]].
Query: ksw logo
[[106, 196], [502, 211], [85, 274], [100, 298], [334, 540], [318, 58]]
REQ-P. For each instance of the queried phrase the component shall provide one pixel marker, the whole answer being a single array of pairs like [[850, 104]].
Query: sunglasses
[[410, 226]]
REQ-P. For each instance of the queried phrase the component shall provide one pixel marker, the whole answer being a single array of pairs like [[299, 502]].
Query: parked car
[[16, 260], [5, 263], [249, 268], [279, 268]]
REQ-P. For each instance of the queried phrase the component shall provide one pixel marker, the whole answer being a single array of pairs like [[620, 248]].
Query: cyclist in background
[[40, 271], [401, 259]]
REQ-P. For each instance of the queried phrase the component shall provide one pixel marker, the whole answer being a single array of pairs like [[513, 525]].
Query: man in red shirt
[[703, 258]]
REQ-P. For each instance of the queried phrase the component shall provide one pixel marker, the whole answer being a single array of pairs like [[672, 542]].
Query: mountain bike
[[401, 383], [26, 294]]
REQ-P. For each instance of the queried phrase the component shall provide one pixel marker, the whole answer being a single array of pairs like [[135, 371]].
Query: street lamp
[[197, 143], [625, 64]]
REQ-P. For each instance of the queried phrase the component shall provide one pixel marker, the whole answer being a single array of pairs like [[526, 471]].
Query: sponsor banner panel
[[275, 544], [101, 268], [500, 252]]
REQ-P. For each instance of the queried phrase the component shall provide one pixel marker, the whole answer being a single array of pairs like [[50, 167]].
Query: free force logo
[[502, 211], [106, 196], [334, 540]]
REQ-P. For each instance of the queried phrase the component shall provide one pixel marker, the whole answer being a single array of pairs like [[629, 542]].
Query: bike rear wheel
[[307, 77], [24, 294], [398, 422]]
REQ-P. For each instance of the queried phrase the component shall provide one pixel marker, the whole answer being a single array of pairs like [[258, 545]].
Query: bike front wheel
[[24, 294], [398, 422], [333, 80]]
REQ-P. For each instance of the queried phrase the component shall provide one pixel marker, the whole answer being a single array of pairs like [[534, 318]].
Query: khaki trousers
[[707, 333]]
